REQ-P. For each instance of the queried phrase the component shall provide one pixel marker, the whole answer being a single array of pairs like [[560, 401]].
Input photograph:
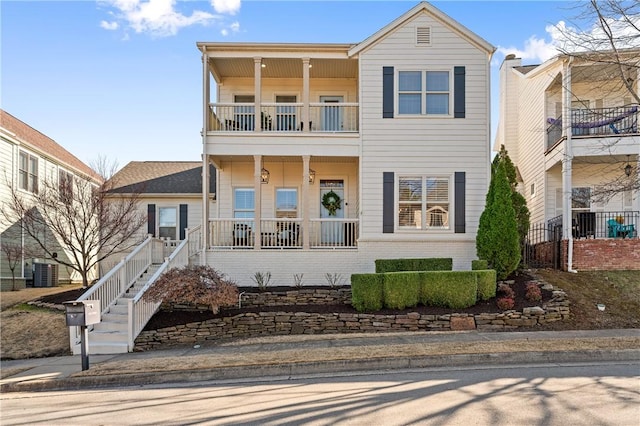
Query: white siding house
[[571, 129], [27, 159], [330, 156]]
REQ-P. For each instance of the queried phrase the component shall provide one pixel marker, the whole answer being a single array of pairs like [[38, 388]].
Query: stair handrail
[[194, 235], [118, 280], [139, 310]]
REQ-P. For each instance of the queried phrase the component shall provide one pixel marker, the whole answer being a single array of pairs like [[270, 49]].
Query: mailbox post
[[82, 314]]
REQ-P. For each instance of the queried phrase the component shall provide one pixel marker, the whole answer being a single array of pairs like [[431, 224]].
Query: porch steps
[[110, 335]]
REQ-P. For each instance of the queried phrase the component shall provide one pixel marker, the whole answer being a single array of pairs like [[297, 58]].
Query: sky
[[122, 79]]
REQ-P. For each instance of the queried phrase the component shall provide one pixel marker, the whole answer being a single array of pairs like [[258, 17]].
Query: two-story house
[[330, 156], [27, 159], [570, 126]]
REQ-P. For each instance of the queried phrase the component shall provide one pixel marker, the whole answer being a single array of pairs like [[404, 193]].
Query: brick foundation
[[603, 254]]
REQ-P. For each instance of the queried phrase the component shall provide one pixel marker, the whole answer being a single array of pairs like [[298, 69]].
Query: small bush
[[479, 265], [506, 291], [533, 294], [401, 290], [454, 289], [486, 284], [194, 285], [505, 303], [400, 265], [367, 292], [262, 280]]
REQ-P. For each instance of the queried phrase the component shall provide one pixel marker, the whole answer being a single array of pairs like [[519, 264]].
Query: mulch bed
[[164, 319]]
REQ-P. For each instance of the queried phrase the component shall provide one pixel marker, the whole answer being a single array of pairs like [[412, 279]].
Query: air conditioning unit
[[45, 275]]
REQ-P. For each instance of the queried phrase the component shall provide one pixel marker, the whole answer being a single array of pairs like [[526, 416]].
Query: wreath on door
[[331, 201]]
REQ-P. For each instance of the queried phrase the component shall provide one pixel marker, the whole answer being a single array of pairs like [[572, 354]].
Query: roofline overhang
[[268, 48]]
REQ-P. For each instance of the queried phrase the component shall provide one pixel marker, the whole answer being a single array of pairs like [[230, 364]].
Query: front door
[[331, 113], [331, 228]]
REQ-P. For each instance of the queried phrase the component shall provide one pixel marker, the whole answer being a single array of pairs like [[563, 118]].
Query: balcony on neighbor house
[[284, 117], [283, 233], [595, 122]]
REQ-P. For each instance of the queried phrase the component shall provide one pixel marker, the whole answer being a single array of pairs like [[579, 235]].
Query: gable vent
[[423, 36]]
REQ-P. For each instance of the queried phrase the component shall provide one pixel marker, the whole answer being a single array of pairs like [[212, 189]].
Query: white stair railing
[[118, 280], [140, 310]]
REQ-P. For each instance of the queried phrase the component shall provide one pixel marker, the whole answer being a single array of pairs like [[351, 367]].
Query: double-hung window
[[28, 172], [65, 185], [286, 203], [168, 222], [424, 92], [244, 203], [423, 202]]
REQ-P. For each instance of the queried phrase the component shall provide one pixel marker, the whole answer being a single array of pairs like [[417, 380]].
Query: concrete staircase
[[110, 335]]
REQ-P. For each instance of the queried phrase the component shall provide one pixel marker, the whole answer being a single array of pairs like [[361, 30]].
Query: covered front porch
[[284, 203]]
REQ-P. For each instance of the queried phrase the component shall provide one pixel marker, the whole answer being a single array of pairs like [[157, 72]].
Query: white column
[[206, 93], [257, 67], [305, 94], [567, 120], [305, 201], [257, 184]]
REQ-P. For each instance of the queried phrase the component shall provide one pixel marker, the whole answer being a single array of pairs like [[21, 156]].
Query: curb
[[289, 370]]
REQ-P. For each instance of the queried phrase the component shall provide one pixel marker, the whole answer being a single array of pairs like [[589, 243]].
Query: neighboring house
[[570, 128], [330, 156], [27, 158], [169, 193]]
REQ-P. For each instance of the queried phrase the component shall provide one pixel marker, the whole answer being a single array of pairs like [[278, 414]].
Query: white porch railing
[[283, 233], [284, 117], [140, 310], [328, 233], [334, 117], [116, 282], [194, 236], [232, 233]]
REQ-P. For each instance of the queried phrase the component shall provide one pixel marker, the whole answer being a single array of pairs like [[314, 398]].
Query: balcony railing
[[614, 224], [283, 233], [596, 121], [284, 117]]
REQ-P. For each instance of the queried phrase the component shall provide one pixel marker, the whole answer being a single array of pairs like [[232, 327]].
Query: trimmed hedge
[[367, 292], [403, 265], [479, 265], [487, 284], [401, 289], [453, 289]]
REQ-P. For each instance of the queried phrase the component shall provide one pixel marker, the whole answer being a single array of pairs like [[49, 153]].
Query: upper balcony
[[285, 99], [595, 122]]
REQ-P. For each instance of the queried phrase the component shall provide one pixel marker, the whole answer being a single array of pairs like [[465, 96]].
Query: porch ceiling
[[592, 73], [224, 68]]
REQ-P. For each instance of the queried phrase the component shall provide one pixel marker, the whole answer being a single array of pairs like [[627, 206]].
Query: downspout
[[567, 178]]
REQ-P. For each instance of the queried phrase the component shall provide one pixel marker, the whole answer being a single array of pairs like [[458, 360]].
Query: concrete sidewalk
[[286, 356]]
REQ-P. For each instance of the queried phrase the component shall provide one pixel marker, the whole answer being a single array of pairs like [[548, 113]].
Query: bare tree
[[12, 250], [78, 215], [603, 40]]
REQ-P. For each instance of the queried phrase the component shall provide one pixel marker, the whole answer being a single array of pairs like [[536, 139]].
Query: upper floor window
[[423, 202], [244, 203], [28, 172], [423, 92], [65, 184]]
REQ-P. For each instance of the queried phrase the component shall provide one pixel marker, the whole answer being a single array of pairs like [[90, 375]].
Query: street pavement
[[290, 356]]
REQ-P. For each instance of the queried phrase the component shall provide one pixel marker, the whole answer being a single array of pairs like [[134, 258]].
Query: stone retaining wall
[[286, 323]]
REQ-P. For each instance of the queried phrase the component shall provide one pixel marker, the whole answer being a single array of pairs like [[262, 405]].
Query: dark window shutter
[[183, 220], [459, 201], [387, 202], [458, 92], [151, 219], [387, 92]]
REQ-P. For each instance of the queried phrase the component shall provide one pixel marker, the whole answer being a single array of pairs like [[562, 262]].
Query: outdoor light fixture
[[264, 175], [627, 168], [312, 176]]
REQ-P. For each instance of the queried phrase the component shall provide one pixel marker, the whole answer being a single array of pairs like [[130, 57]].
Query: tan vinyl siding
[[424, 145]]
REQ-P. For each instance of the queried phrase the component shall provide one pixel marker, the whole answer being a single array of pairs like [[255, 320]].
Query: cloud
[[109, 25], [226, 6], [567, 38], [161, 17], [224, 32]]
